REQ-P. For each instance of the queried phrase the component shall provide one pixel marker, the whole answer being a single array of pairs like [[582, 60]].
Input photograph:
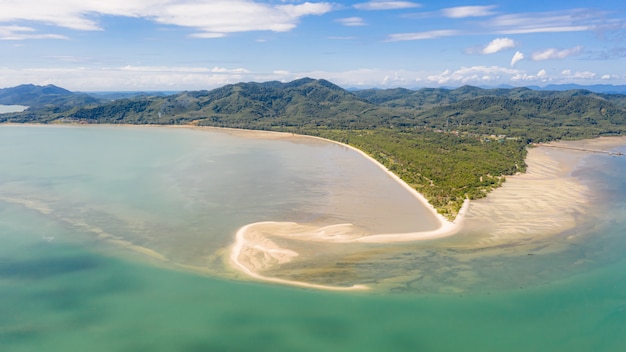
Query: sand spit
[[253, 252]]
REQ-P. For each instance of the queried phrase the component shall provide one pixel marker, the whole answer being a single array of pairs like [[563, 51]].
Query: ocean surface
[[103, 229]]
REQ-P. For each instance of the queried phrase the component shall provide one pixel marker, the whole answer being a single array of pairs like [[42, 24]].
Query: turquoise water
[[62, 289]]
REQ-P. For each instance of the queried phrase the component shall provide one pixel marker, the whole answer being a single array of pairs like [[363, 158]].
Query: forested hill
[[427, 98], [50, 96], [271, 105], [532, 119], [448, 144]]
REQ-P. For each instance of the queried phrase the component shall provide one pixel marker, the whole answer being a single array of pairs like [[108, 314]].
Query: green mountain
[[534, 119], [37, 97], [427, 98], [271, 105]]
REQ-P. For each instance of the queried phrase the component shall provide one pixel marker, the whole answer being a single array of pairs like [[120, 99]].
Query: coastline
[[446, 226], [546, 200], [254, 251]]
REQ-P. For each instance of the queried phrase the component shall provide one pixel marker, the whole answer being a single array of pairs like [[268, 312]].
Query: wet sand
[[544, 201]]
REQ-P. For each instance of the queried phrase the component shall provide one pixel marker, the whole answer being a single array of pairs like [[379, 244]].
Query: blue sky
[[97, 45]]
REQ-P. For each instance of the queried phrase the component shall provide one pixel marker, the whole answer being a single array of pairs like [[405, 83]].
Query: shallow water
[[61, 288]]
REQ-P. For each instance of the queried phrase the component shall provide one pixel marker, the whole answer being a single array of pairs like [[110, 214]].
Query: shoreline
[[444, 223], [546, 200]]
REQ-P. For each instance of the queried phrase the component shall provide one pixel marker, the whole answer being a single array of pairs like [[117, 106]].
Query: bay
[[63, 288]]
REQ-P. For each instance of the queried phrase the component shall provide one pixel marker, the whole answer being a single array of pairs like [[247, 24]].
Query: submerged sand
[[546, 200]]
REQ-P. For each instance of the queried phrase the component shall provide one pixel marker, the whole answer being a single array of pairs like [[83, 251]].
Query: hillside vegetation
[[448, 144]]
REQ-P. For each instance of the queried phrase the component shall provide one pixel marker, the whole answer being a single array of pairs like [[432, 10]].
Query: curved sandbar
[[266, 252]]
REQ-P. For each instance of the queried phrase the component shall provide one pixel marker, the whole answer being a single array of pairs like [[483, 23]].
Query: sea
[[116, 239]]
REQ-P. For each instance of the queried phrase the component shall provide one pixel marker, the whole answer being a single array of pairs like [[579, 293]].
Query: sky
[[173, 45]]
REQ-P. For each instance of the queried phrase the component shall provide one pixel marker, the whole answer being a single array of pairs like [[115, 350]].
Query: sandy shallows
[[544, 201]]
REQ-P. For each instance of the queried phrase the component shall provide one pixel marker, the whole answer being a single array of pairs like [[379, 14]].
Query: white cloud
[[232, 70], [578, 75], [552, 29], [21, 33], [547, 22], [211, 18], [208, 35], [556, 54], [498, 44], [468, 11], [342, 38], [541, 76], [192, 78], [585, 75], [421, 35], [281, 72], [195, 78], [128, 77], [517, 58], [386, 5], [351, 21], [473, 75]]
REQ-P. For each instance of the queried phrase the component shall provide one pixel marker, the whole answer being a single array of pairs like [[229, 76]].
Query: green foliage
[[532, 119], [44, 97]]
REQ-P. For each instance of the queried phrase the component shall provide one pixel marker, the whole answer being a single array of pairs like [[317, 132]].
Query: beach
[[545, 201]]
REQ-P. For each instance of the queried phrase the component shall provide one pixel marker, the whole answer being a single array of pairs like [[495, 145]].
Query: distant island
[[448, 144]]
